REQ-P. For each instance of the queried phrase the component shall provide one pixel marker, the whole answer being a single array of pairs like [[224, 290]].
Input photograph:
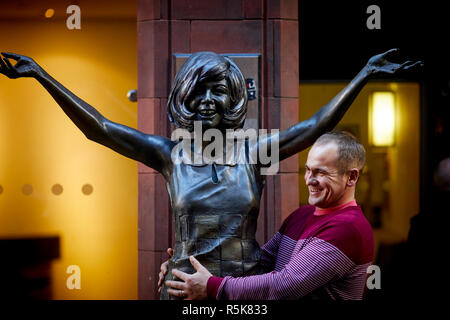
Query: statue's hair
[[202, 67], [351, 153]]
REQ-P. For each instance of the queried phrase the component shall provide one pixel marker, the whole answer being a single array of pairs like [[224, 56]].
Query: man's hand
[[25, 66], [380, 65], [163, 270], [194, 285]]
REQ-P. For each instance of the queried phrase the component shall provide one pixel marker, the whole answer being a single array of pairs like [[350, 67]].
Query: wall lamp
[[382, 119]]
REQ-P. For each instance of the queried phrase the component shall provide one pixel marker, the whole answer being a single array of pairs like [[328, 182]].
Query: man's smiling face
[[325, 183]]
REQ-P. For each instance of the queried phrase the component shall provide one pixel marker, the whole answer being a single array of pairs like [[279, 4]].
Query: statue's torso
[[215, 209], [215, 221]]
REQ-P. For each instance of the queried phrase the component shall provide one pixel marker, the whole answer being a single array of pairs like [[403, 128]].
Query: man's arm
[[269, 253], [311, 267]]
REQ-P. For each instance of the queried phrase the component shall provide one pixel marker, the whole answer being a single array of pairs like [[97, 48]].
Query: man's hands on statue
[[194, 285], [25, 66], [380, 65], [163, 270]]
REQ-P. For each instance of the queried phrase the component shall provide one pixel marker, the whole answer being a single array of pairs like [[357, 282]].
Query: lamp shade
[[382, 119]]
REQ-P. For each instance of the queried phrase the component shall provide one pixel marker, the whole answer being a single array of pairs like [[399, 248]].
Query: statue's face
[[210, 101]]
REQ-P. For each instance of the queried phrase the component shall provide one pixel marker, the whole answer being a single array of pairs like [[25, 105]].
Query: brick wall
[[165, 27]]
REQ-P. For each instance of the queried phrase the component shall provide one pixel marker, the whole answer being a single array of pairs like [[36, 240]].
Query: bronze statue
[[215, 205]]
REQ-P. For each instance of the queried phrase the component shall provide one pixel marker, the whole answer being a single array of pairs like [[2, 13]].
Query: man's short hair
[[351, 153], [202, 67]]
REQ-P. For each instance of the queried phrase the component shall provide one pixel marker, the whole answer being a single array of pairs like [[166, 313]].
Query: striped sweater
[[314, 255]]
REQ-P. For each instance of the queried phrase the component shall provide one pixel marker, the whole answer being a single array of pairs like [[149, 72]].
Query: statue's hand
[[25, 66], [380, 65]]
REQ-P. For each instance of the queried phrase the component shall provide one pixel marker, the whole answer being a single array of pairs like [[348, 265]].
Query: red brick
[[148, 10], [273, 113], [153, 59], [149, 265], [180, 36], [286, 58], [148, 114], [276, 215], [152, 116], [282, 9], [290, 58], [266, 211], [152, 119], [146, 205], [288, 112], [263, 113], [164, 119], [207, 9], [148, 110], [273, 117], [289, 165], [253, 9], [180, 40], [260, 230], [288, 118], [227, 36], [289, 195], [153, 207], [268, 60], [281, 113], [280, 198], [142, 168], [165, 9]]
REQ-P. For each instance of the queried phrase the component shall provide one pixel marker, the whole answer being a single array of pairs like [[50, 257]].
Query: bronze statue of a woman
[[215, 205]]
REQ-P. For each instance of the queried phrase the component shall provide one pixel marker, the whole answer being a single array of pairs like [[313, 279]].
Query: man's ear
[[353, 176]]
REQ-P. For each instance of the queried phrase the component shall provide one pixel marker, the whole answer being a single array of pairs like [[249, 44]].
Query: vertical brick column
[[165, 27]]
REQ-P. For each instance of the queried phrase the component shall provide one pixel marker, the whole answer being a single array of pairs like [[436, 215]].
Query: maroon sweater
[[312, 256]]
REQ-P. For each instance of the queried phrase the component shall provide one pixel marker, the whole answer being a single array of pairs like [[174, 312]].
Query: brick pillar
[[165, 27]]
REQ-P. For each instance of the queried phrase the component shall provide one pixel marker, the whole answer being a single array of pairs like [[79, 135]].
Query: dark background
[[334, 45], [335, 31]]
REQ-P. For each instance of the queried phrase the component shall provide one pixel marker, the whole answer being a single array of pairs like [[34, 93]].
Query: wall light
[[382, 119]]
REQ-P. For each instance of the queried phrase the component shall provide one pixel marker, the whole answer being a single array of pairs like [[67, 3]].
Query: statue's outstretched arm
[[151, 150], [303, 134]]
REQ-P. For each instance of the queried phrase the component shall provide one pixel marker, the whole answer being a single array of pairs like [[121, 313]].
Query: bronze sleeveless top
[[216, 208]]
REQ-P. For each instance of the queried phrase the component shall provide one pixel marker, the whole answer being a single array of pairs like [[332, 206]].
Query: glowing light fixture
[[382, 119]]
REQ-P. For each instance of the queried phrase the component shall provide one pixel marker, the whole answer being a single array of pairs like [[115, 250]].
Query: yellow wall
[[40, 146], [399, 165]]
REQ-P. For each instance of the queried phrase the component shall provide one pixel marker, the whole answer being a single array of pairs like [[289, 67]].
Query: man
[[321, 250]]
